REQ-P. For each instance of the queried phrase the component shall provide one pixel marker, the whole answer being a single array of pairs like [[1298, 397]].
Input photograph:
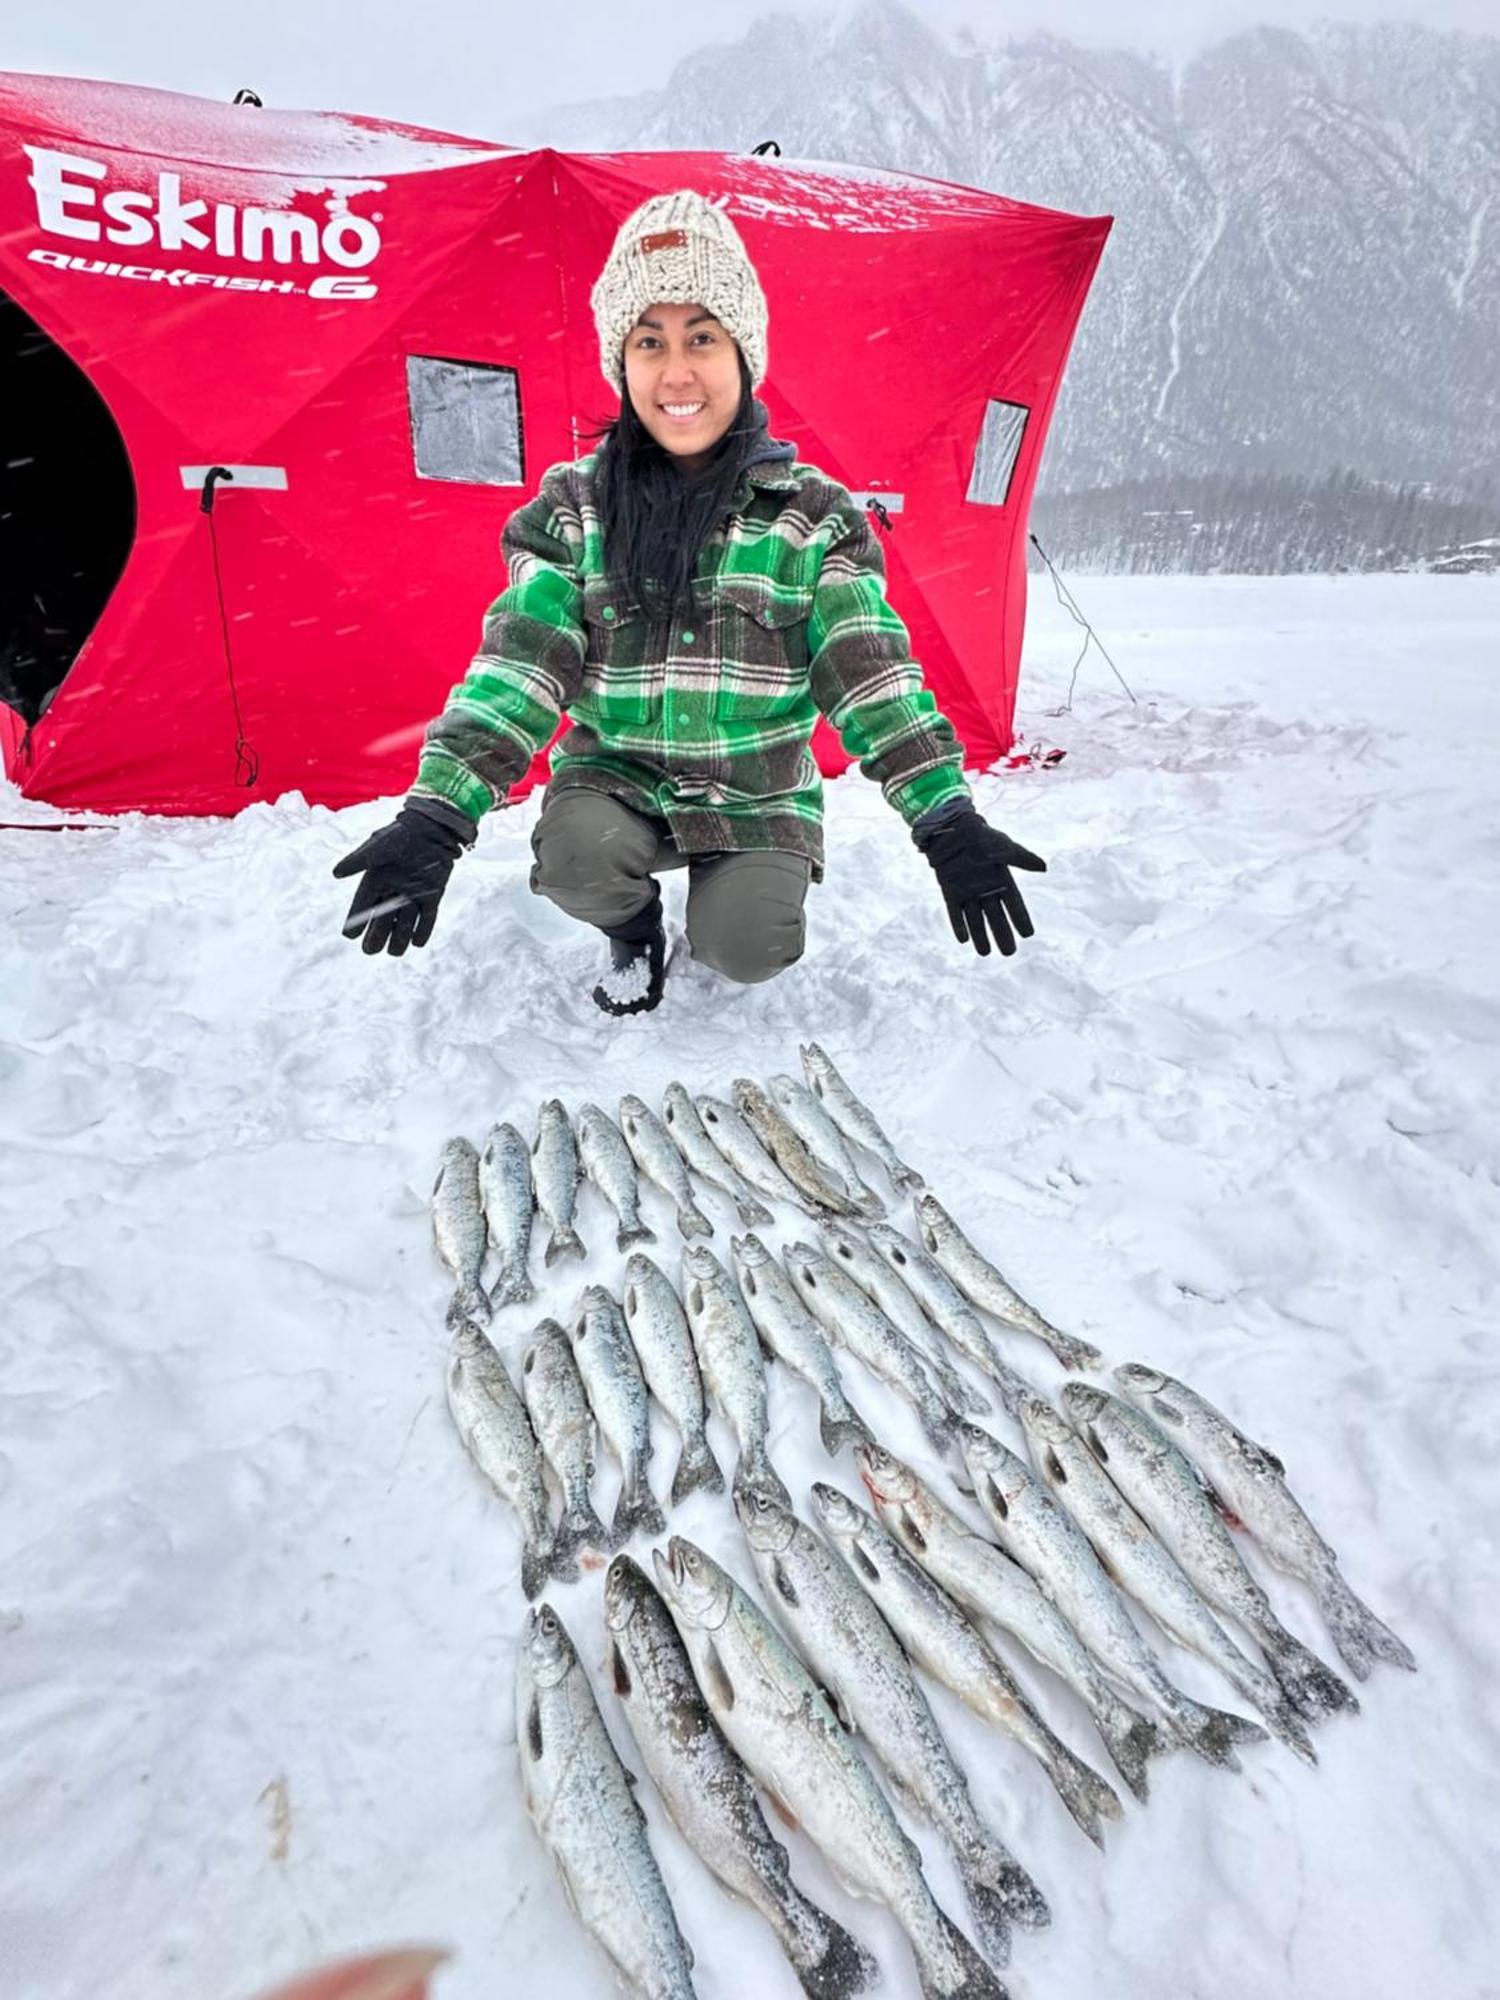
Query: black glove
[[406, 866], [972, 861]]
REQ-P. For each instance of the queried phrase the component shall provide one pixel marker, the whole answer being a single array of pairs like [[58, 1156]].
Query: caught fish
[[579, 1796], [993, 1588], [777, 1719], [1163, 1487], [816, 1190], [609, 1164], [680, 1116], [617, 1395], [899, 1304], [824, 1141], [854, 1119], [948, 1309], [851, 1320], [858, 1661], [744, 1152], [729, 1357], [791, 1333], [657, 1157], [493, 1425], [1249, 1484], [664, 1347], [977, 1276], [558, 1406], [459, 1231], [505, 1194], [555, 1172], [945, 1644], [708, 1793]]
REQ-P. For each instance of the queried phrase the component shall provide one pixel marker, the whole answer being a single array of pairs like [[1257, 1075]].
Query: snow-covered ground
[[1235, 1111]]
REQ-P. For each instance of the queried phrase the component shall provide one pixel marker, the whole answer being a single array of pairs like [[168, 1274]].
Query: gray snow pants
[[595, 859]]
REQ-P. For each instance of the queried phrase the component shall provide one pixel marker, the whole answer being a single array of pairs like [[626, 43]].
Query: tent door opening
[[67, 511]]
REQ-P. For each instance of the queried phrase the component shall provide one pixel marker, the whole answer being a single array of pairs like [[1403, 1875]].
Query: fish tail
[[564, 1242], [1287, 1726], [939, 1424], [1359, 1635], [756, 1469], [1131, 1741], [580, 1528], [975, 1979], [514, 1287], [754, 1214], [906, 1180], [630, 1233], [867, 1201], [842, 1968], [842, 1425], [961, 1396], [1212, 1732], [536, 1564], [697, 1471], [1014, 1388], [691, 1221], [1085, 1794], [637, 1511], [1314, 1690], [470, 1302], [1070, 1352]]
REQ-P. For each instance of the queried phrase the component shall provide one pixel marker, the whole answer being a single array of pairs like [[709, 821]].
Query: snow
[[1232, 1111]]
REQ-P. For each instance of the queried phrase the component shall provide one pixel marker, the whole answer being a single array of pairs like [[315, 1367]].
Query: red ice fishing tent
[[382, 336]]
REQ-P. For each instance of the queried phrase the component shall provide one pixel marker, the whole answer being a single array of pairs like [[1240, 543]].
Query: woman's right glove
[[406, 866], [973, 861]]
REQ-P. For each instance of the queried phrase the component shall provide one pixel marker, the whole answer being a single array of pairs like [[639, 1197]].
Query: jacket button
[[609, 614], [688, 638]]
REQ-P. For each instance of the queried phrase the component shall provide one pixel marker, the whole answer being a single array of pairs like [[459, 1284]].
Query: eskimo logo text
[[69, 203]]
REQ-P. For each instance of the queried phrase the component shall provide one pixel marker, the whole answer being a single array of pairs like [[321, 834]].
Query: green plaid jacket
[[704, 721]]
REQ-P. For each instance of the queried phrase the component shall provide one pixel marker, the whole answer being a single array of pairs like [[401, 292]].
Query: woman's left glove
[[973, 861], [405, 866]]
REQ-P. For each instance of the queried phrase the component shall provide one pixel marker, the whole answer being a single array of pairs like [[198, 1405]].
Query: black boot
[[638, 962]]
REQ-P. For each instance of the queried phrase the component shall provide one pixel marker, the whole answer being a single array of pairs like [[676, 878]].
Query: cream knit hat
[[678, 249]]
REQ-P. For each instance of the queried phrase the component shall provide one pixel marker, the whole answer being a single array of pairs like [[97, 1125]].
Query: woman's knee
[[593, 857], [748, 922]]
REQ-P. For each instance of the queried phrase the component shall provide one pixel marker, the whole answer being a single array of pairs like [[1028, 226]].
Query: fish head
[[1047, 1435], [696, 1589], [768, 1522], [626, 1589], [997, 1474], [815, 1063], [749, 1250], [674, 1102], [891, 1244], [639, 1269], [701, 1273], [748, 1095], [549, 1651], [886, 1478], [1084, 1403], [841, 1516], [842, 1242], [783, 1088], [931, 1219], [802, 1261], [1138, 1381], [712, 1110]]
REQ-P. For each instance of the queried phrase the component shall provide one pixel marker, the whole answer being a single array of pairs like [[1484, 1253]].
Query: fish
[[816, 1190], [853, 1321], [1248, 1483], [977, 1277], [858, 1662], [609, 1164], [617, 1395], [664, 1347], [709, 1795], [997, 1591], [854, 1119], [497, 1435], [744, 1152], [823, 1140], [948, 1309], [1033, 1521], [1162, 1485], [789, 1331], [582, 1804], [778, 1721], [558, 1406], [505, 1193], [555, 1172], [729, 1357], [878, 1281], [459, 1231], [657, 1157], [680, 1116]]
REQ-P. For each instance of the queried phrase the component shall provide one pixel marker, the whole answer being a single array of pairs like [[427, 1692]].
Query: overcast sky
[[477, 66]]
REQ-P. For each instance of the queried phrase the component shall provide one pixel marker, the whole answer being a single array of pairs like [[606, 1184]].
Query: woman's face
[[682, 375]]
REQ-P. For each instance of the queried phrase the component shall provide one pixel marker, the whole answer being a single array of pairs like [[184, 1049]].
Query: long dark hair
[[656, 517]]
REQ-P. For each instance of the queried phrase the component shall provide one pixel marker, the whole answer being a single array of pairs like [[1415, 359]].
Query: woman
[[692, 597]]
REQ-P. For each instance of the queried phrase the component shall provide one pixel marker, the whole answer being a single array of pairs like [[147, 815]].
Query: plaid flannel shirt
[[702, 721]]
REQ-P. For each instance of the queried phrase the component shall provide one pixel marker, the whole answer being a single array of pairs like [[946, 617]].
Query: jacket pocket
[[761, 649], [624, 673]]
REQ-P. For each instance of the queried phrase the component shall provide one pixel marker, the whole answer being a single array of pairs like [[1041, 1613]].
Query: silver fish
[[459, 1231], [708, 1793], [944, 1643], [680, 1116], [823, 1140], [948, 1309], [881, 1283], [852, 1320], [998, 1591], [664, 1347], [1248, 1483], [816, 1191], [791, 1333], [579, 1796], [494, 1427], [506, 1196], [729, 1357], [564, 1424], [617, 1395], [609, 1165], [556, 1171], [657, 1157], [777, 1719], [743, 1150], [977, 1276], [1163, 1487], [858, 1661], [854, 1119]]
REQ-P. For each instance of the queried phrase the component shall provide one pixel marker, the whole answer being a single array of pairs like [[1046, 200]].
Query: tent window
[[465, 421], [999, 447]]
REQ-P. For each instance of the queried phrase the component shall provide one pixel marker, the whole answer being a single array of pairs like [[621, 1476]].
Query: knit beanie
[[678, 249]]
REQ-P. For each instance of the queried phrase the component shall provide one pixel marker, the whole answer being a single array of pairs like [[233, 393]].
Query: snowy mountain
[[1305, 270]]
